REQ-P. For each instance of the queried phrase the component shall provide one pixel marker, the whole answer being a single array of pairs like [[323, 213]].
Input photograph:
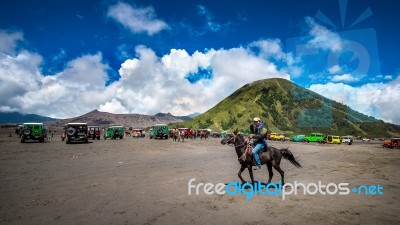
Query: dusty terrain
[[146, 182]]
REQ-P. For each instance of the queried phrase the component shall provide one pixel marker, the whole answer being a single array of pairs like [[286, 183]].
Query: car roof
[[33, 124], [116, 126]]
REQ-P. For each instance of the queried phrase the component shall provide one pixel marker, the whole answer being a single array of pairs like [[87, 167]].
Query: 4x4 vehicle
[[393, 143], [76, 132], [159, 131], [94, 132], [315, 137], [347, 140], [114, 132], [298, 138], [33, 131], [276, 137], [332, 139]]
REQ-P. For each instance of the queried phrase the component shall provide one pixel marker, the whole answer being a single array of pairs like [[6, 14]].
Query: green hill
[[288, 108]]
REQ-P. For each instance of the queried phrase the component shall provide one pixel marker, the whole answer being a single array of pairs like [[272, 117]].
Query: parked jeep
[[315, 137], [114, 132], [33, 131], [76, 132], [347, 140], [393, 143], [94, 132], [159, 131], [298, 138], [333, 139]]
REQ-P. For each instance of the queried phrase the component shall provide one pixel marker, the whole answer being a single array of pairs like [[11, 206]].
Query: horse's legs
[[278, 168], [251, 174], [270, 172], [240, 174]]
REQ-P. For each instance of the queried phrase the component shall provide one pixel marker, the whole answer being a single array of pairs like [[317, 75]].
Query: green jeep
[[33, 131], [159, 131], [315, 137], [114, 132]]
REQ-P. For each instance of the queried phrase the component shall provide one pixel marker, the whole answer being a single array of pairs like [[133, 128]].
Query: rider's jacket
[[260, 133]]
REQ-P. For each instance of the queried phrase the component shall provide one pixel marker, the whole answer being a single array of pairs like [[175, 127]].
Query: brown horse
[[271, 157], [203, 134]]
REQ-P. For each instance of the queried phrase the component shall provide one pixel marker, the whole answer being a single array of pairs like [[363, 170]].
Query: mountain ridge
[[288, 108]]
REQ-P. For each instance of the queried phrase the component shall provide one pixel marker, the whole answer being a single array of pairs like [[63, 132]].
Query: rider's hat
[[256, 119]]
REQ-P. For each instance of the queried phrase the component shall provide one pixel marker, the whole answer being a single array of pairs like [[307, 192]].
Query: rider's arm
[[261, 135]]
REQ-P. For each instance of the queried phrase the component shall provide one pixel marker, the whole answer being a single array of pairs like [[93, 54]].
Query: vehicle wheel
[[308, 141], [41, 139], [67, 142], [22, 139], [121, 137], [98, 138]]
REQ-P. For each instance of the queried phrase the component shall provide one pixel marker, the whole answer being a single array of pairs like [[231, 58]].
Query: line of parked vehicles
[[321, 138], [82, 132]]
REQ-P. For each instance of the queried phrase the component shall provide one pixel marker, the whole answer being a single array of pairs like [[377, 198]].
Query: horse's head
[[229, 139]]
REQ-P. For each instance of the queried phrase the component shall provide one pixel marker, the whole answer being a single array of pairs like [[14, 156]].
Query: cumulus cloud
[[323, 38], [149, 83], [137, 19], [344, 78], [375, 99]]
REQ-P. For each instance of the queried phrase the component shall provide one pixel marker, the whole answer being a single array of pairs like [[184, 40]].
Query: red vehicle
[[393, 143], [94, 132]]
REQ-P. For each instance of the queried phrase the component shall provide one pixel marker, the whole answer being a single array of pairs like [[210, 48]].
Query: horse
[[203, 134], [271, 157], [179, 135]]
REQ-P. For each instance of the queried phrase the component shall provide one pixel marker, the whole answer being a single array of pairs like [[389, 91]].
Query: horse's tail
[[289, 156]]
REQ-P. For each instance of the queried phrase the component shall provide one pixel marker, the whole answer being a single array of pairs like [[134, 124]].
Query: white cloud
[[344, 78], [375, 99], [323, 38], [388, 77], [335, 69], [113, 106], [149, 83], [137, 19], [8, 41]]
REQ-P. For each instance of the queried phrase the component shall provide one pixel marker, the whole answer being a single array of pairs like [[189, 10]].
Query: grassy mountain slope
[[288, 108]]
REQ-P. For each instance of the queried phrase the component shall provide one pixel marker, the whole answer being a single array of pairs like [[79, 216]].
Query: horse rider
[[259, 134]]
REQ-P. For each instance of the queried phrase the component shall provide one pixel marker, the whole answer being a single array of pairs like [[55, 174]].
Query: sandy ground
[[146, 182]]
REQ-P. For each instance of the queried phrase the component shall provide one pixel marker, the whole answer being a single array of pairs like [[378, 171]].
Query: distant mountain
[[16, 117], [96, 117], [193, 115], [288, 108]]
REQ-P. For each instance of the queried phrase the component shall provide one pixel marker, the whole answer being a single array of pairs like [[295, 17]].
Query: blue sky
[[185, 56]]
